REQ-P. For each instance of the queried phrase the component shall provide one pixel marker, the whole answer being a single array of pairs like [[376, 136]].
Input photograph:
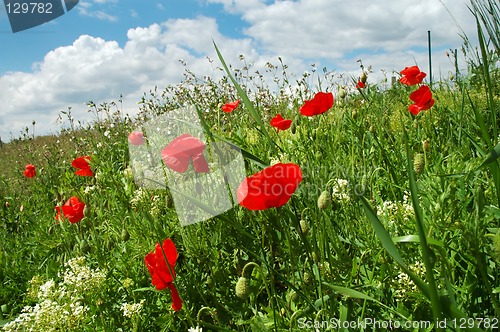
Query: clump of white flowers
[[392, 211], [80, 277], [60, 305], [131, 310], [340, 190], [405, 284]]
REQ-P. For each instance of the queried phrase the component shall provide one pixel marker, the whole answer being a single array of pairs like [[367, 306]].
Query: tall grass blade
[[248, 104]]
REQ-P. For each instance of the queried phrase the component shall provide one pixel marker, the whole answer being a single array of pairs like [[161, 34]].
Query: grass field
[[395, 219]]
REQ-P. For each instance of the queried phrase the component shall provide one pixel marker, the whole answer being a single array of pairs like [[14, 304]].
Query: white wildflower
[[132, 309]]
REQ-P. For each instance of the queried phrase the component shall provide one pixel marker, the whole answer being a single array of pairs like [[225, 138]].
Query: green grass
[[395, 244]]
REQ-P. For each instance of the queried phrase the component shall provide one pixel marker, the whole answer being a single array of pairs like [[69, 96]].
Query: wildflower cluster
[[60, 306]]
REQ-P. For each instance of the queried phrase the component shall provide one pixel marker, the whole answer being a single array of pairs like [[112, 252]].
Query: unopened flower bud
[[243, 288], [307, 278], [304, 227], [324, 199], [418, 163], [342, 93]]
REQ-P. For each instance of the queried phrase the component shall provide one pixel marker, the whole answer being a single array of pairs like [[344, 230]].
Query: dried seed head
[[243, 288]]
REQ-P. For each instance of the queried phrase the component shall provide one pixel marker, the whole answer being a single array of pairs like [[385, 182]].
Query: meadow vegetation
[[396, 216]]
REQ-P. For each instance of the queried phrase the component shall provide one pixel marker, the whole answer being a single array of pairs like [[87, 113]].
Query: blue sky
[[106, 48]]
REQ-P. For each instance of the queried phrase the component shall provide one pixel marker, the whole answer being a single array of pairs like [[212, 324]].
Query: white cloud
[[387, 34], [85, 9]]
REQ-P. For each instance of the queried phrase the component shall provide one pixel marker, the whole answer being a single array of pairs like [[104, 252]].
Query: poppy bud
[[293, 296], [418, 163], [354, 114], [304, 228], [342, 93], [307, 278], [125, 235], [371, 129], [363, 77], [324, 199], [243, 288], [425, 145]]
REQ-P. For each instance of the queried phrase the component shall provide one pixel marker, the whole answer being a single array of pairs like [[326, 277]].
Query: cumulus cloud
[[386, 34], [98, 70]]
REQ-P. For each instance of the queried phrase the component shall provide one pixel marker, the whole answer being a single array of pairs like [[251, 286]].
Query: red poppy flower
[[271, 187], [360, 85], [162, 276], [72, 210], [178, 154], [229, 107], [136, 138], [280, 123], [321, 103], [82, 166], [422, 99], [30, 172], [412, 76]]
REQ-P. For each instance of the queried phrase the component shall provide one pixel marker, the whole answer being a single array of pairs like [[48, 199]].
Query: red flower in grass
[[321, 103], [271, 187], [72, 210], [412, 76], [229, 107], [162, 276], [136, 138], [360, 85], [29, 172], [178, 154], [82, 166], [422, 99], [280, 123]]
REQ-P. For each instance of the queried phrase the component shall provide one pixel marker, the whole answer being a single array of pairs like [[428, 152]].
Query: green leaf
[[390, 247], [414, 238], [492, 156]]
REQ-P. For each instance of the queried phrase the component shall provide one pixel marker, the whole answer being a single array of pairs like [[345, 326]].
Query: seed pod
[[419, 163], [304, 227], [324, 199], [243, 288]]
